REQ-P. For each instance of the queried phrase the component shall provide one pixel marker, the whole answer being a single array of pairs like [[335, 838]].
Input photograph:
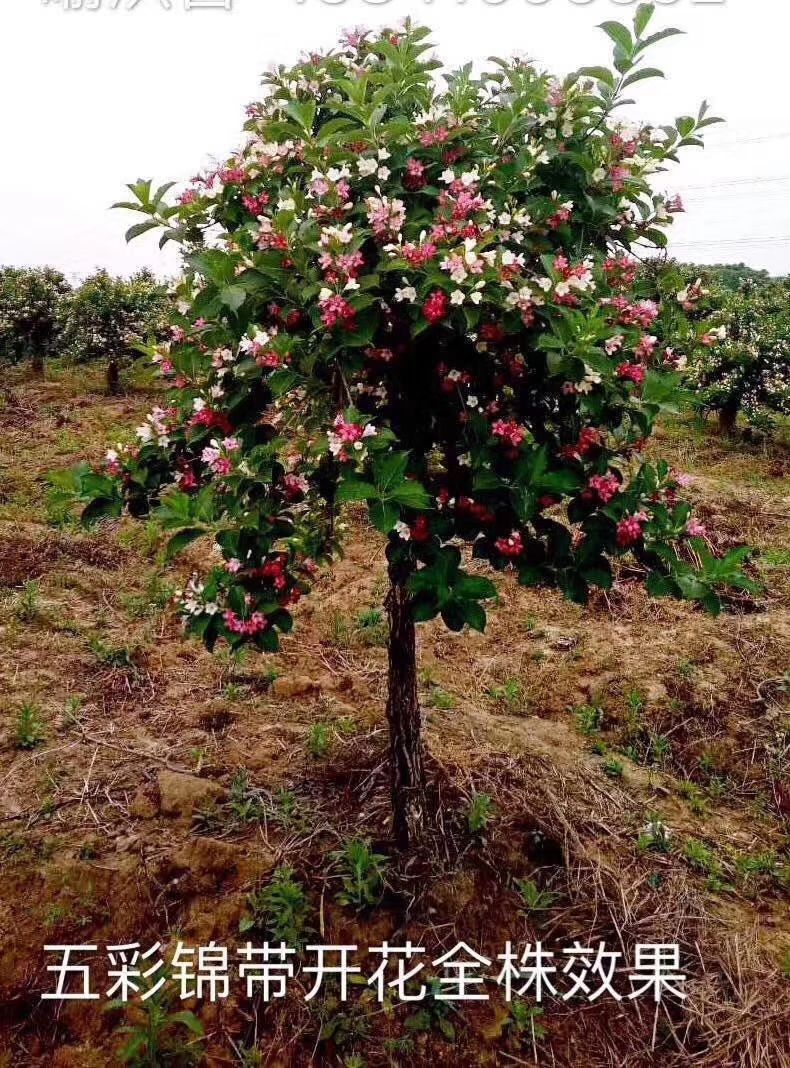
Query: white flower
[[470, 177], [408, 294], [458, 297], [448, 176], [367, 167], [383, 173], [286, 204], [599, 174], [403, 531]]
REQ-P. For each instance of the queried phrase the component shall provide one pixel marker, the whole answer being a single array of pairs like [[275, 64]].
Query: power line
[[728, 183], [749, 140], [728, 241]]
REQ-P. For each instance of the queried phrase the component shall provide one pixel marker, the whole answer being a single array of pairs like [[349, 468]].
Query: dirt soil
[[627, 763]]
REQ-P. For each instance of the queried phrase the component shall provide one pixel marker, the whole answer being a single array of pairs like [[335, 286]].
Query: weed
[[612, 768], [362, 874], [433, 1015], [27, 604], [686, 669], [243, 802], [535, 899], [443, 701], [372, 628], [119, 657], [705, 861], [155, 600], [344, 1027], [654, 837], [159, 1036], [319, 741], [589, 719], [29, 727], [660, 749], [757, 866], [280, 910], [525, 1020], [480, 813], [510, 694]]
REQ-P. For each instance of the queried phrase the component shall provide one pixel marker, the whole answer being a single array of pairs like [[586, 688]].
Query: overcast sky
[[92, 99]]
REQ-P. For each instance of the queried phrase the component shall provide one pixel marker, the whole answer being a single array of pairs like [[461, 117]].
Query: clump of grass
[[480, 813], [613, 768], [443, 701], [362, 874], [511, 694], [120, 657], [654, 837], [589, 719], [704, 860], [29, 730], [319, 740], [27, 603]]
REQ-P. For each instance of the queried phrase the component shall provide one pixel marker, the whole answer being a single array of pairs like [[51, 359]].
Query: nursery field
[[616, 774]]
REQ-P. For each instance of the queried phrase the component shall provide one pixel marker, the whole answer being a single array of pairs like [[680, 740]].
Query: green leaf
[[383, 516], [643, 75], [356, 490], [475, 616], [619, 34], [302, 112], [601, 74], [474, 588], [141, 228], [644, 14], [233, 297], [181, 540], [412, 495]]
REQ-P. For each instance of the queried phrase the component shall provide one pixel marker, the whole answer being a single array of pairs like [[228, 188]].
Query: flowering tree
[[29, 303], [418, 297], [747, 368], [107, 318]]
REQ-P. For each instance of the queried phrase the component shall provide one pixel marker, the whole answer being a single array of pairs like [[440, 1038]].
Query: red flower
[[437, 307], [512, 547]]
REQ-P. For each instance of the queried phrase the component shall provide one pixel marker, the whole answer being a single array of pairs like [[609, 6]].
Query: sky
[[97, 93]]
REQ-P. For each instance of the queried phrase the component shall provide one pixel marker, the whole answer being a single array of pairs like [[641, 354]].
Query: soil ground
[[615, 773]]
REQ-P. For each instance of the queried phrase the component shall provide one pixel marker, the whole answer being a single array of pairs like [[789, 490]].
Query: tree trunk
[[113, 378], [37, 364], [403, 715], [728, 416]]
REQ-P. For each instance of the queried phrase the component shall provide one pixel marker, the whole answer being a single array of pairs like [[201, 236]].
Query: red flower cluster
[[512, 546], [336, 311], [437, 307], [629, 530], [510, 433], [604, 487]]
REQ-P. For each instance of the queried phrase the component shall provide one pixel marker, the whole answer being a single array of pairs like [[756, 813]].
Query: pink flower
[[509, 433], [629, 530], [633, 372], [336, 311], [695, 529], [604, 487]]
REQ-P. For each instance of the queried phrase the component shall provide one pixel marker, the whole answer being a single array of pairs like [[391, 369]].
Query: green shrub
[[29, 302]]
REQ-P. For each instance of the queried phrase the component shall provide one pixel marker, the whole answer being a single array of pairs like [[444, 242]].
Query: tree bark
[[403, 715], [37, 364]]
